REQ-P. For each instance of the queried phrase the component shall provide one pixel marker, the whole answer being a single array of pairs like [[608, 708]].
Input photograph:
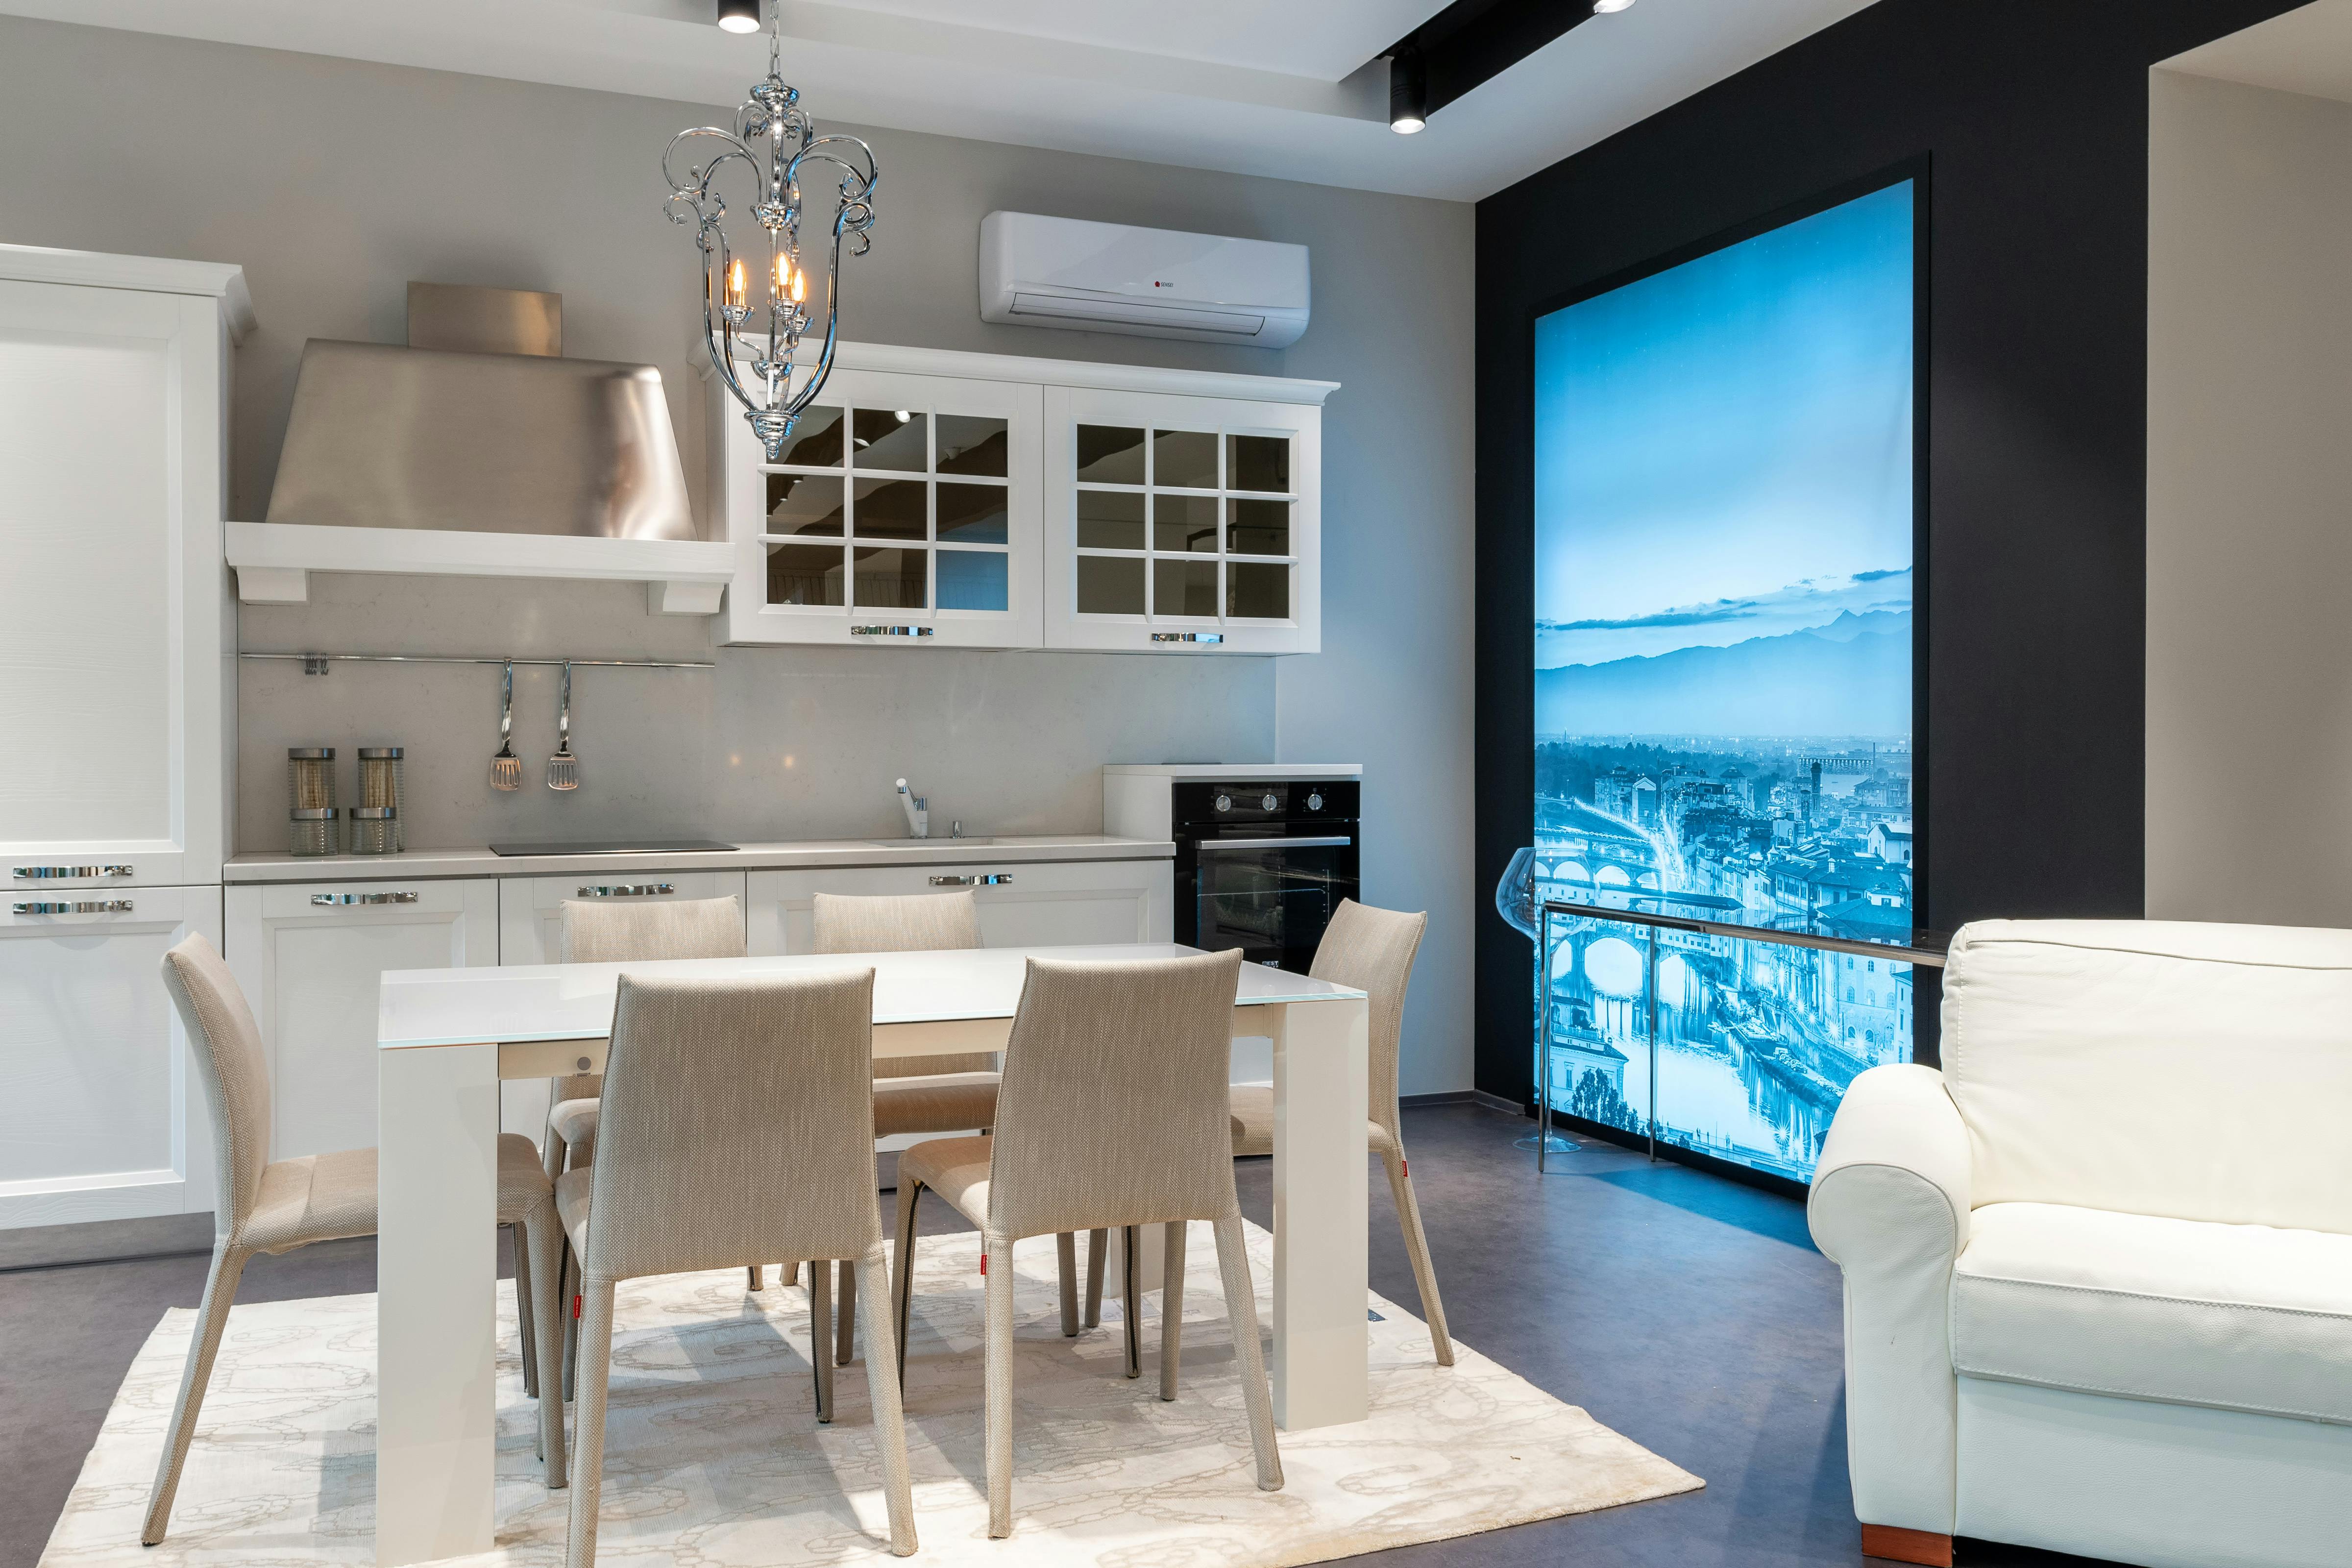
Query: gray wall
[[333, 184], [2248, 539]]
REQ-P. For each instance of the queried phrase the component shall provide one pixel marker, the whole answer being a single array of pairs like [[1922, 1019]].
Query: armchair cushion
[[2234, 1316]]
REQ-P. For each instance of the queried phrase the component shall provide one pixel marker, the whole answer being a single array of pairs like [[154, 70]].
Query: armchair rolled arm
[[1890, 1206]]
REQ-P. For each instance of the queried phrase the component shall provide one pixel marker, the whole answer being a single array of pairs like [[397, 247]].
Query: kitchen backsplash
[[774, 743]]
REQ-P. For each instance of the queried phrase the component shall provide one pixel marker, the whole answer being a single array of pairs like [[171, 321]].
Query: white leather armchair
[[2098, 1269]]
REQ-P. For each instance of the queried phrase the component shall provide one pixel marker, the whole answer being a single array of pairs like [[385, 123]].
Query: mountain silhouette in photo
[[1851, 677]]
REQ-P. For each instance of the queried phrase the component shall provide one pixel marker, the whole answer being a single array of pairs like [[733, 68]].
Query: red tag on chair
[[1404, 1168], [984, 1263], [575, 1306]]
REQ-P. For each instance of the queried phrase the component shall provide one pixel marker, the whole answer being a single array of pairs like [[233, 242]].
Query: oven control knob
[[1268, 804], [1314, 803], [1225, 802]]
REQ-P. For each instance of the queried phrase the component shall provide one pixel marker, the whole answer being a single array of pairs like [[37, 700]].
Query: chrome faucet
[[919, 812]]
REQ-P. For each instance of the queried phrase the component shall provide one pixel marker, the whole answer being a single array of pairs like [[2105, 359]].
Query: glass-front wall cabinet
[[998, 508]]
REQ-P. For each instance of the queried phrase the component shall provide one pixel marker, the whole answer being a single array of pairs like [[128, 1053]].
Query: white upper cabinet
[[937, 499], [116, 650]]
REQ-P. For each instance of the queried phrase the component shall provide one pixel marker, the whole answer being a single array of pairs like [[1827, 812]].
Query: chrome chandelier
[[773, 139]]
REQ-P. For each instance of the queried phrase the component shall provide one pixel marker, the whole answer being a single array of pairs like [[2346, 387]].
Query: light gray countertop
[[811, 854]]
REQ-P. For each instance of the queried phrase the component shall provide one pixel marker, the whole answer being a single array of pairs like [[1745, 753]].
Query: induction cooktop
[[616, 847]]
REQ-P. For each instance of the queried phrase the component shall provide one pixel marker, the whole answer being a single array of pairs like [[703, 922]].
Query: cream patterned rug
[[715, 1460]]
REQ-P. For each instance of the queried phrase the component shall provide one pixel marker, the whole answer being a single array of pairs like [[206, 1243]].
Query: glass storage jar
[[315, 830], [309, 777], [382, 784], [375, 830]]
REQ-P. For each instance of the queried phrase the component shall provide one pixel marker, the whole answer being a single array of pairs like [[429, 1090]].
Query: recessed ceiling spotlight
[[1408, 94], [740, 16], [1603, 8]]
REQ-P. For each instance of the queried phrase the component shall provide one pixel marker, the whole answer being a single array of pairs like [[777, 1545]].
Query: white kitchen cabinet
[[531, 931], [116, 650], [309, 955], [1022, 904], [103, 1115]]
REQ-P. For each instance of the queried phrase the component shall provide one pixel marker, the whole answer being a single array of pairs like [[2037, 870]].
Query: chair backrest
[[2191, 1071], [738, 1124], [1372, 950], [235, 1071], [912, 923], [1115, 1109], [596, 932]]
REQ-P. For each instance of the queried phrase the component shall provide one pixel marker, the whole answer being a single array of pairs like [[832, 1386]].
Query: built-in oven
[[1261, 867]]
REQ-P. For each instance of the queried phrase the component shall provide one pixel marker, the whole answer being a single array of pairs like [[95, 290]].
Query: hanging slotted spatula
[[564, 768], [505, 768]]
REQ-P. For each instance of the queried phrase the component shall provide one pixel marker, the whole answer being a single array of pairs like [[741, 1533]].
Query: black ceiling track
[[1472, 41]]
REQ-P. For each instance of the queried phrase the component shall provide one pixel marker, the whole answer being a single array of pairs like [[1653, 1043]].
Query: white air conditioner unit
[[1148, 283]]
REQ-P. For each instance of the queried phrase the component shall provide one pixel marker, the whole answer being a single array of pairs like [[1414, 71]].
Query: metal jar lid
[[313, 813], [379, 754], [311, 753], [373, 813]]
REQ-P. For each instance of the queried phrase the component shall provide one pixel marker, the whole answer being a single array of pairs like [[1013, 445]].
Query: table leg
[[1322, 1348], [436, 1285]]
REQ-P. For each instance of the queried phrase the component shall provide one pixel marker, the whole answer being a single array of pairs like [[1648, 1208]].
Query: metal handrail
[[1931, 957]]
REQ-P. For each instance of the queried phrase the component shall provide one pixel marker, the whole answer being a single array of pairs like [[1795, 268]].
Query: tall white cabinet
[[117, 693]]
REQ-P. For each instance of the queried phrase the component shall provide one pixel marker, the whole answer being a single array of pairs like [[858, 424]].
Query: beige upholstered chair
[[735, 1128], [275, 1205], [1113, 1113], [1371, 950]]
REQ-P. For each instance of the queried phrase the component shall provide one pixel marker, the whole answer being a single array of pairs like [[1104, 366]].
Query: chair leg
[[1416, 1246], [567, 1293], [524, 1315], [756, 1276], [542, 1238], [1127, 1282], [821, 1335], [1172, 1307], [844, 1332], [997, 1375], [1249, 1355], [588, 1464], [889, 1418], [1066, 1261], [1097, 1246], [553, 1153], [902, 1275], [220, 1289]]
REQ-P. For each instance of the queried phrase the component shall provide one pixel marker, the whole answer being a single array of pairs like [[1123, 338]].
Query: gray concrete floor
[[1687, 1312]]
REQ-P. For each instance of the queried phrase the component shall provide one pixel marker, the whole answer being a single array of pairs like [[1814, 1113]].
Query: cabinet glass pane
[[1110, 585], [971, 445], [805, 575], [1111, 520], [889, 438], [973, 580], [1257, 589], [815, 441], [1184, 523], [1257, 527], [890, 579], [1184, 589], [1258, 463], [973, 514], [891, 509], [1184, 459], [804, 503], [1110, 454]]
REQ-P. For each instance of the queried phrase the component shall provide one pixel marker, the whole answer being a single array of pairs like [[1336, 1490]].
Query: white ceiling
[[2307, 51], [1286, 88]]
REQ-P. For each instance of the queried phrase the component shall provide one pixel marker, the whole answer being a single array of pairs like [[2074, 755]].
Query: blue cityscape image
[[1723, 707]]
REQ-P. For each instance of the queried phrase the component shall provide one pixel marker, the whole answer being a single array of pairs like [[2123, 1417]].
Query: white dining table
[[446, 1036]]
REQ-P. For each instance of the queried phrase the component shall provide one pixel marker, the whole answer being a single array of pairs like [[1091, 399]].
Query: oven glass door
[[1271, 898]]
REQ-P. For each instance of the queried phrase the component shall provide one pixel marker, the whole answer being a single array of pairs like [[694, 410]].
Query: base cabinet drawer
[[309, 955], [102, 1116], [1021, 904]]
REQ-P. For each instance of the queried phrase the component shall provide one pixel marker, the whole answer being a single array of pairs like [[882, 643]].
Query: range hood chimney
[[480, 425]]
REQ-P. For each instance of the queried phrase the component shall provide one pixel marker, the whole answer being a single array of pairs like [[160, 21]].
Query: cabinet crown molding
[[222, 280]]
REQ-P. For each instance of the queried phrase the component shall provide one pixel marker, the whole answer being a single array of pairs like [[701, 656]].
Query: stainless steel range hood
[[489, 431]]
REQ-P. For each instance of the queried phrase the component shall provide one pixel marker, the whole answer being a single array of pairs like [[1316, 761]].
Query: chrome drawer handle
[[890, 631], [978, 879], [332, 899], [1188, 636], [80, 907], [52, 873], [1273, 841], [627, 891]]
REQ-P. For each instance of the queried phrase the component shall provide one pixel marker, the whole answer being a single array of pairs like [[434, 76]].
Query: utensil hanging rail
[[316, 663]]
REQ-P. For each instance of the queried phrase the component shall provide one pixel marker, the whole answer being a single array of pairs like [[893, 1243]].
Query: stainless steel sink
[[924, 843]]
